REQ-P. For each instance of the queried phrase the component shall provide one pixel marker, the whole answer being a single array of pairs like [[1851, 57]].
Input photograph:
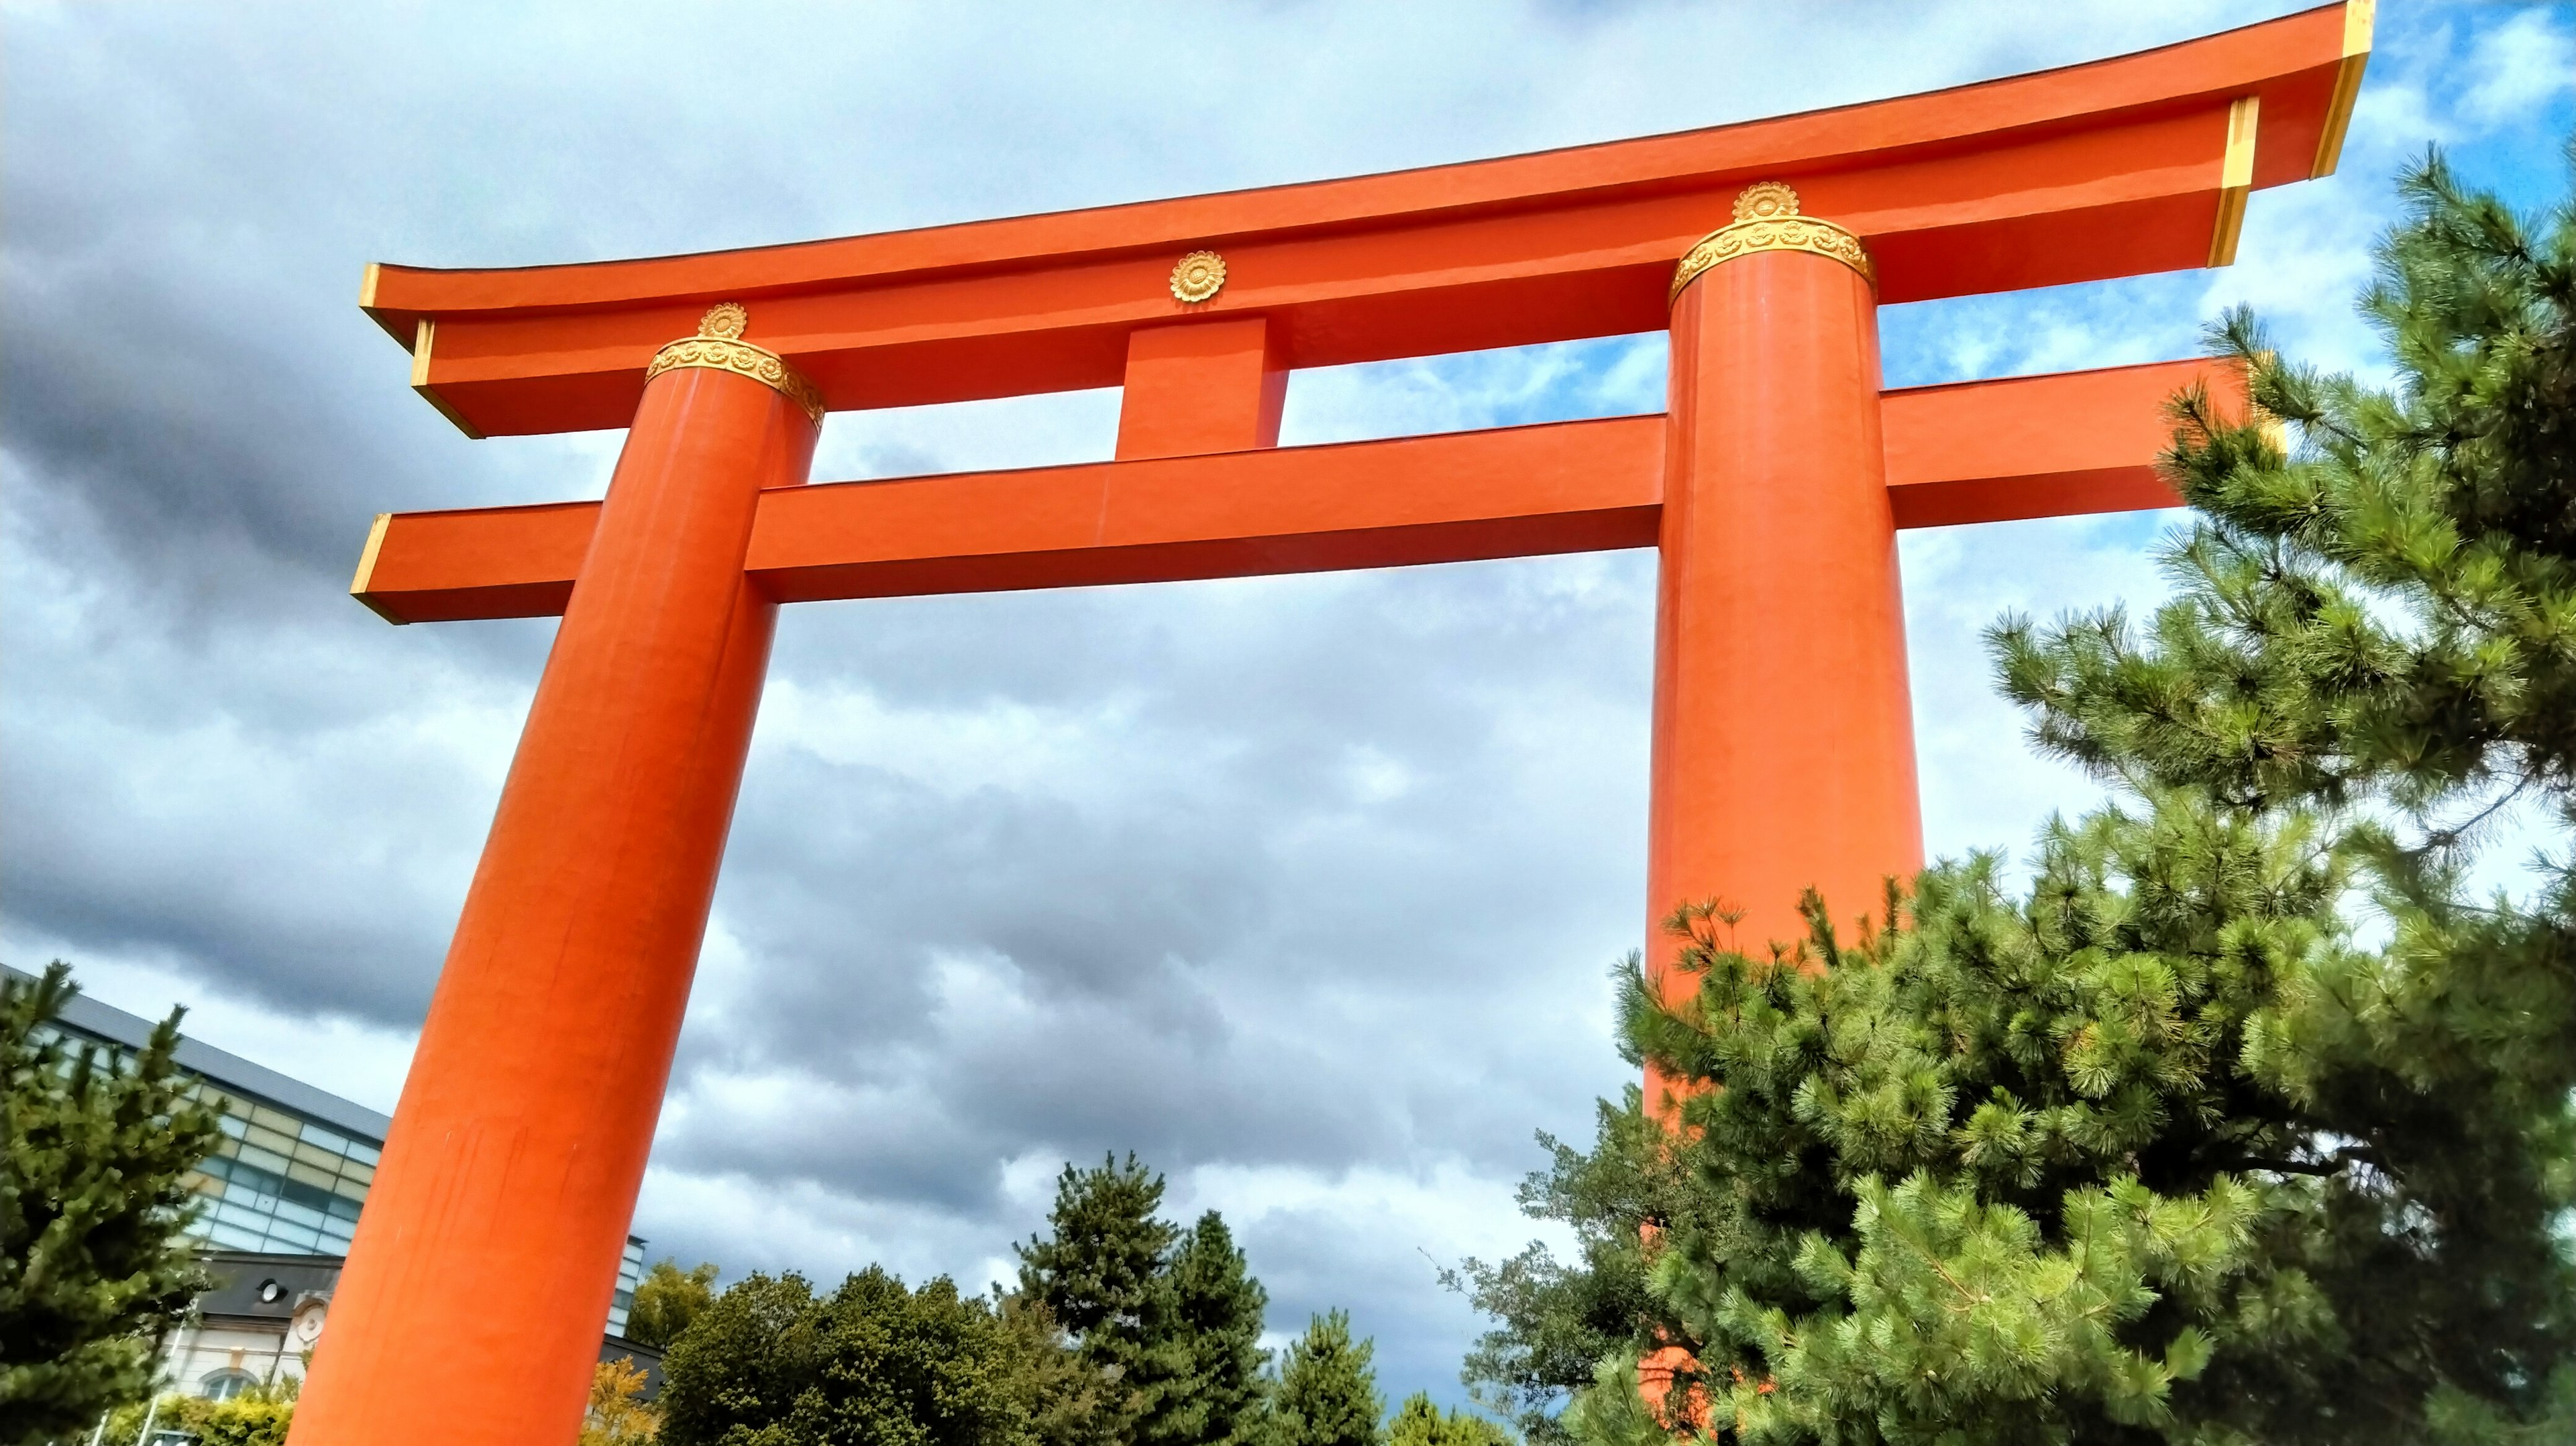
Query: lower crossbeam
[[2078, 442]]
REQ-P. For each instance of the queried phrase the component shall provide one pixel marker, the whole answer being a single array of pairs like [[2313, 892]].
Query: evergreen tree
[[1095, 1273], [1199, 1380], [1420, 1423], [2159, 1146], [1170, 1320], [1326, 1391], [667, 1299], [872, 1364], [1557, 1320], [1072, 1403], [93, 1270]]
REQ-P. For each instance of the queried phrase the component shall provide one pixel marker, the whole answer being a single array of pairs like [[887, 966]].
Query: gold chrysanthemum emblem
[[726, 319], [1765, 201], [1198, 276]]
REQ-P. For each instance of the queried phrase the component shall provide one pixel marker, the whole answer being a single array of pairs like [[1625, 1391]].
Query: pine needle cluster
[[94, 1149], [2242, 1119]]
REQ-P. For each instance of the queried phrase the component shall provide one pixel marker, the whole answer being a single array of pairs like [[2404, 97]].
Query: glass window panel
[[317, 1178], [362, 1152], [327, 1161], [268, 1160], [279, 1140], [299, 1214], [251, 1184], [278, 1120], [232, 1125], [233, 1237], [296, 1240], [341, 1207], [232, 1212], [353, 1171], [322, 1139]]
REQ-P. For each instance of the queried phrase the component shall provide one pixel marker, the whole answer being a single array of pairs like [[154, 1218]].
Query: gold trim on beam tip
[[367, 287], [2235, 178], [367, 569], [2358, 18], [425, 337], [1767, 219]]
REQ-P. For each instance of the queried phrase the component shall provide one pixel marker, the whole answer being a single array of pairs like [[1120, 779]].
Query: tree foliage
[[2241, 1119], [93, 1270], [1095, 1270], [1326, 1391], [1166, 1352], [1198, 1381], [769, 1363], [618, 1414], [1558, 1319], [1168, 1319], [1420, 1423], [259, 1415], [666, 1300]]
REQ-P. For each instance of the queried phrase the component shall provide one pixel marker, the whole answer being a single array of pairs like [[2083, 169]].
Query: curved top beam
[[2116, 167]]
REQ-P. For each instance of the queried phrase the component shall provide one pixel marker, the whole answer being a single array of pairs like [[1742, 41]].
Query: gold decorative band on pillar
[[719, 345], [1767, 219]]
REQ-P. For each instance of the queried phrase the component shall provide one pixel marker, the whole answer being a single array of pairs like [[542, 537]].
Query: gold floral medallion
[[1198, 276]]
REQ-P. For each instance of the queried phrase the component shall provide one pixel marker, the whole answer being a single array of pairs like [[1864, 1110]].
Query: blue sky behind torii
[[1304, 887]]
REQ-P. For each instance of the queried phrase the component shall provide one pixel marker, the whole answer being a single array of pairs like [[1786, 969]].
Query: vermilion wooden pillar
[[489, 1248], [1783, 743]]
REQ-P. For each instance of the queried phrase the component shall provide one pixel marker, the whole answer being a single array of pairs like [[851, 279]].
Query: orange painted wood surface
[[500, 1210], [2099, 170], [1201, 386], [1783, 732], [1985, 451], [2052, 446]]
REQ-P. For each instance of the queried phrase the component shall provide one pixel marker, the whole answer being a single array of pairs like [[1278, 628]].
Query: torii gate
[[1772, 487]]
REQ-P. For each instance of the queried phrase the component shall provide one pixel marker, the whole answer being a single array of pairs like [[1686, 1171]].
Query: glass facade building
[[292, 1171]]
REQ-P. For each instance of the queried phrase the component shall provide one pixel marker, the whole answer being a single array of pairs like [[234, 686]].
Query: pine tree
[[1170, 1320], [1326, 1391], [2161, 1145], [93, 1270], [1095, 1272], [1071, 1402], [1420, 1423], [1199, 1379]]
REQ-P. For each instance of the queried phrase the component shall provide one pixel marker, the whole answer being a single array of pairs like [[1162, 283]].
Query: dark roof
[[111, 1025], [240, 1274]]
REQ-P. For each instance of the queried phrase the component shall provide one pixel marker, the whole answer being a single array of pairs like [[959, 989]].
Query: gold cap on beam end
[[719, 346], [1767, 219]]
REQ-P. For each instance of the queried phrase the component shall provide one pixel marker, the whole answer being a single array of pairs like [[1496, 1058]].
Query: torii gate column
[[489, 1247], [1783, 741]]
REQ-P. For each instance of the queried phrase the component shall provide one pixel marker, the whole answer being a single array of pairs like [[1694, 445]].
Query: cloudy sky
[[1303, 888]]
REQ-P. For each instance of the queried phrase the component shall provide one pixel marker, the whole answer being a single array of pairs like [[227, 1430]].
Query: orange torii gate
[[1772, 487]]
